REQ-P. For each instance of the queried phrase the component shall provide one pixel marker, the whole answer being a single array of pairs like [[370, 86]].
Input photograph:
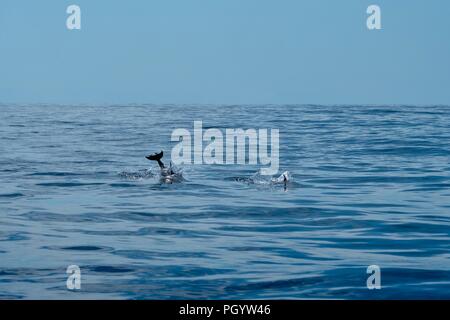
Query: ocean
[[370, 185]]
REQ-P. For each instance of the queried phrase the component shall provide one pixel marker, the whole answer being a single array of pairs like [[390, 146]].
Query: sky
[[225, 52]]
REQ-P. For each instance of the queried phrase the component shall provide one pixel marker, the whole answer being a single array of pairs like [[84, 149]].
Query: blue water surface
[[371, 186]]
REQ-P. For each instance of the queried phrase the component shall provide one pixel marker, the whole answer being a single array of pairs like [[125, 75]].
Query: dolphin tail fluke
[[157, 157]]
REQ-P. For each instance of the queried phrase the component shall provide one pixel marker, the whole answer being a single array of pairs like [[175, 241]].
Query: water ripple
[[370, 186]]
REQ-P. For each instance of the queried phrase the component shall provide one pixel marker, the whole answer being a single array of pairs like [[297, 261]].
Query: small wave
[[53, 174], [122, 185], [12, 195], [67, 184], [83, 248], [79, 248], [138, 175], [110, 269]]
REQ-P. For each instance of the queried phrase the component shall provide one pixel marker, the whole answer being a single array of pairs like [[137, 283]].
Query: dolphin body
[[284, 180], [285, 177]]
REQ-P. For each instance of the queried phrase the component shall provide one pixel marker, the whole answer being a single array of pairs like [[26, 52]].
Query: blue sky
[[225, 51]]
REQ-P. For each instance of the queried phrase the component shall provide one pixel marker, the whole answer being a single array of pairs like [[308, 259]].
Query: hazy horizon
[[168, 104]]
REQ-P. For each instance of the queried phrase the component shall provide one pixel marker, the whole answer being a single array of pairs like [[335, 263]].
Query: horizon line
[[192, 104]]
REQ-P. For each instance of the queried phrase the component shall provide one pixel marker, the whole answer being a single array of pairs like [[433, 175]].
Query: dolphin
[[168, 175], [285, 177]]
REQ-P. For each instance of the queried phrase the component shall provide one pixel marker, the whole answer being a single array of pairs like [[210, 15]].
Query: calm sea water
[[371, 186]]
